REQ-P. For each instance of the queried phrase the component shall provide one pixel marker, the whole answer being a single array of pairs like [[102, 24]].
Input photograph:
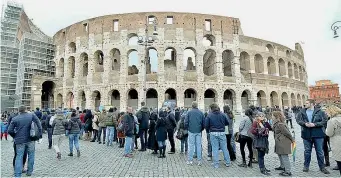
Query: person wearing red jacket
[[81, 117]]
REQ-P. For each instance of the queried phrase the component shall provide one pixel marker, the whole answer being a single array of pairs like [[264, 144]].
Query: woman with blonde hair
[[283, 141], [334, 132]]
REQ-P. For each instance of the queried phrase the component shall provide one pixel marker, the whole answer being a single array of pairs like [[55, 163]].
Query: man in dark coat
[[170, 126], [152, 143], [143, 116], [128, 122], [312, 121]]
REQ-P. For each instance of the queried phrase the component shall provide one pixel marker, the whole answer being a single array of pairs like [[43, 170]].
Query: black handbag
[[260, 142]]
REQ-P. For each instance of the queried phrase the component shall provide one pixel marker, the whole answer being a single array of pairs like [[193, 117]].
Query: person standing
[[95, 126], [59, 125], [111, 123], [161, 133], [182, 133], [38, 113], [283, 141], [195, 124], [143, 116], [19, 129], [128, 122], [101, 120], [312, 121], [288, 117], [81, 117], [334, 132], [4, 128], [120, 133], [229, 131], [246, 137], [74, 126], [49, 127], [215, 123], [170, 126], [152, 143]]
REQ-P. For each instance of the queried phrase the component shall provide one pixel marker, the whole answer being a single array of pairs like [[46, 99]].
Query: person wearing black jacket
[[177, 115], [143, 116], [49, 128], [152, 143], [161, 133], [128, 126], [170, 126]]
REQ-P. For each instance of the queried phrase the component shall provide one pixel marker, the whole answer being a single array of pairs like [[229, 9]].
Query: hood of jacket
[[217, 111], [74, 119], [59, 116], [144, 109], [337, 120]]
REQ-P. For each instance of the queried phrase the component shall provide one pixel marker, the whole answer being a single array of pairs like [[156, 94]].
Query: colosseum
[[207, 58]]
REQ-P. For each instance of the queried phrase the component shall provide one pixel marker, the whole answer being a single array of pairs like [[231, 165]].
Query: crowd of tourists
[[320, 129]]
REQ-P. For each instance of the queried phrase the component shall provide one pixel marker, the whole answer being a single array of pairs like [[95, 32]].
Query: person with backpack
[[59, 124], [49, 127], [152, 143], [111, 123], [143, 116], [161, 133], [95, 126], [182, 133], [170, 125], [102, 128], [20, 129], [74, 126], [128, 129]]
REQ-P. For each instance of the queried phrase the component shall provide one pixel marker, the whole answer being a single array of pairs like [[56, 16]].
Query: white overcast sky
[[284, 22]]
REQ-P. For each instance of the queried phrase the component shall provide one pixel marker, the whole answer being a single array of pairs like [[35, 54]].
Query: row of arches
[[209, 59]]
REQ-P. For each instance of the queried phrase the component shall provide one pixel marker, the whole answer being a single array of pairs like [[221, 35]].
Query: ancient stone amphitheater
[[199, 57]]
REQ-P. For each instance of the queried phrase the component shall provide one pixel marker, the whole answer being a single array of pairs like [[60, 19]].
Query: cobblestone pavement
[[98, 160]]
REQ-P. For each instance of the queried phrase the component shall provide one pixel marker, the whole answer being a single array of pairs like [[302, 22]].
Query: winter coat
[[261, 133], [334, 132], [4, 127], [283, 138], [101, 119], [161, 127], [74, 125], [319, 118], [59, 124], [129, 123], [143, 116], [94, 122], [152, 143], [216, 121], [170, 121], [245, 125], [120, 134], [194, 121], [181, 126], [111, 119], [88, 121]]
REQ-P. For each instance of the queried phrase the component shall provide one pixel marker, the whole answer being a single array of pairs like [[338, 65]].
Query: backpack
[[34, 132], [73, 124]]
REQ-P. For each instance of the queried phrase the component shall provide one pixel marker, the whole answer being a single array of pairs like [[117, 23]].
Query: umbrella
[[293, 148]]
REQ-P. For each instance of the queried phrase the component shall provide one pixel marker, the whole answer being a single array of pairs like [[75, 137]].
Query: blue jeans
[[73, 139], [308, 146], [261, 155], [209, 146], [100, 129], [127, 145], [184, 144], [110, 135], [194, 142], [49, 136], [218, 140], [20, 149]]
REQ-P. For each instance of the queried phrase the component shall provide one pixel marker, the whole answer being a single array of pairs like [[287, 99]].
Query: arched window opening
[[269, 48], [274, 99], [229, 98], [290, 70], [47, 97], [152, 62], [97, 99], [288, 54], [244, 62], [61, 67], [152, 98], [227, 62], [209, 98], [209, 62], [72, 47], [99, 58], [281, 67], [115, 98], [259, 65], [285, 99], [208, 40], [190, 96], [72, 66], [271, 66], [189, 59], [84, 63], [132, 62], [170, 59], [133, 98], [261, 99], [132, 39], [170, 94], [115, 56], [245, 99]]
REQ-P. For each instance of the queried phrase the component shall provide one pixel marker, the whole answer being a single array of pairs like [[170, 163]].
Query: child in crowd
[[4, 127]]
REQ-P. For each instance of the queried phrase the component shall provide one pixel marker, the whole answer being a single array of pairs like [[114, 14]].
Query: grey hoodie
[[59, 124]]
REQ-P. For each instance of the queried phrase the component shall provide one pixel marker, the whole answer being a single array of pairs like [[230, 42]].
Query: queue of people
[[154, 127]]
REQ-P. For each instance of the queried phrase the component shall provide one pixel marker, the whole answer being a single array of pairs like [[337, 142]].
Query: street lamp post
[[336, 26], [147, 41]]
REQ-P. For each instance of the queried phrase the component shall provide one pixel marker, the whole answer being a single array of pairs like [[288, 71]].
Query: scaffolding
[[24, 52]]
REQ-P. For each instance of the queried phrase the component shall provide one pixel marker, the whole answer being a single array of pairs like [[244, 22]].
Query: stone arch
[[47, 94], [269, 48], [133, 97], [299, 100], [132, 62], [84, 61], [274, 99], [290, 70], [229, 98], [288, 54], [189, 60], [259, 64], [271, 66], [99, 61], [170, 94], [281, 67], [208, 40], [96, 96], [285, 99], [132, 39], [190, 96], [304, 99], [169, 63], [304, 74], [210, 96], [261, 99], [293, 99], [72, 47], [228, 57], [59, 101], [300, 73], [151, 98], [209, 62], [115, 56], [244, 62], [296, 71], [114, 98], [72, 66], [152, 60], [82, 99], [245, 98], [69, 100], [61, 67]]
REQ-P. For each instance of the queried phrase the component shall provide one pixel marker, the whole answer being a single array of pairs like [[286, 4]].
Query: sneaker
[[190, 163], [171, 152], [103, 142], [199, 163], [305, 169], [325, 171], [99, 142], [209, 158], [29, 174], [227, 165], [279, 168], [128, 156], [285, 174], [265, 172], [70, 154], [24, 171]]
